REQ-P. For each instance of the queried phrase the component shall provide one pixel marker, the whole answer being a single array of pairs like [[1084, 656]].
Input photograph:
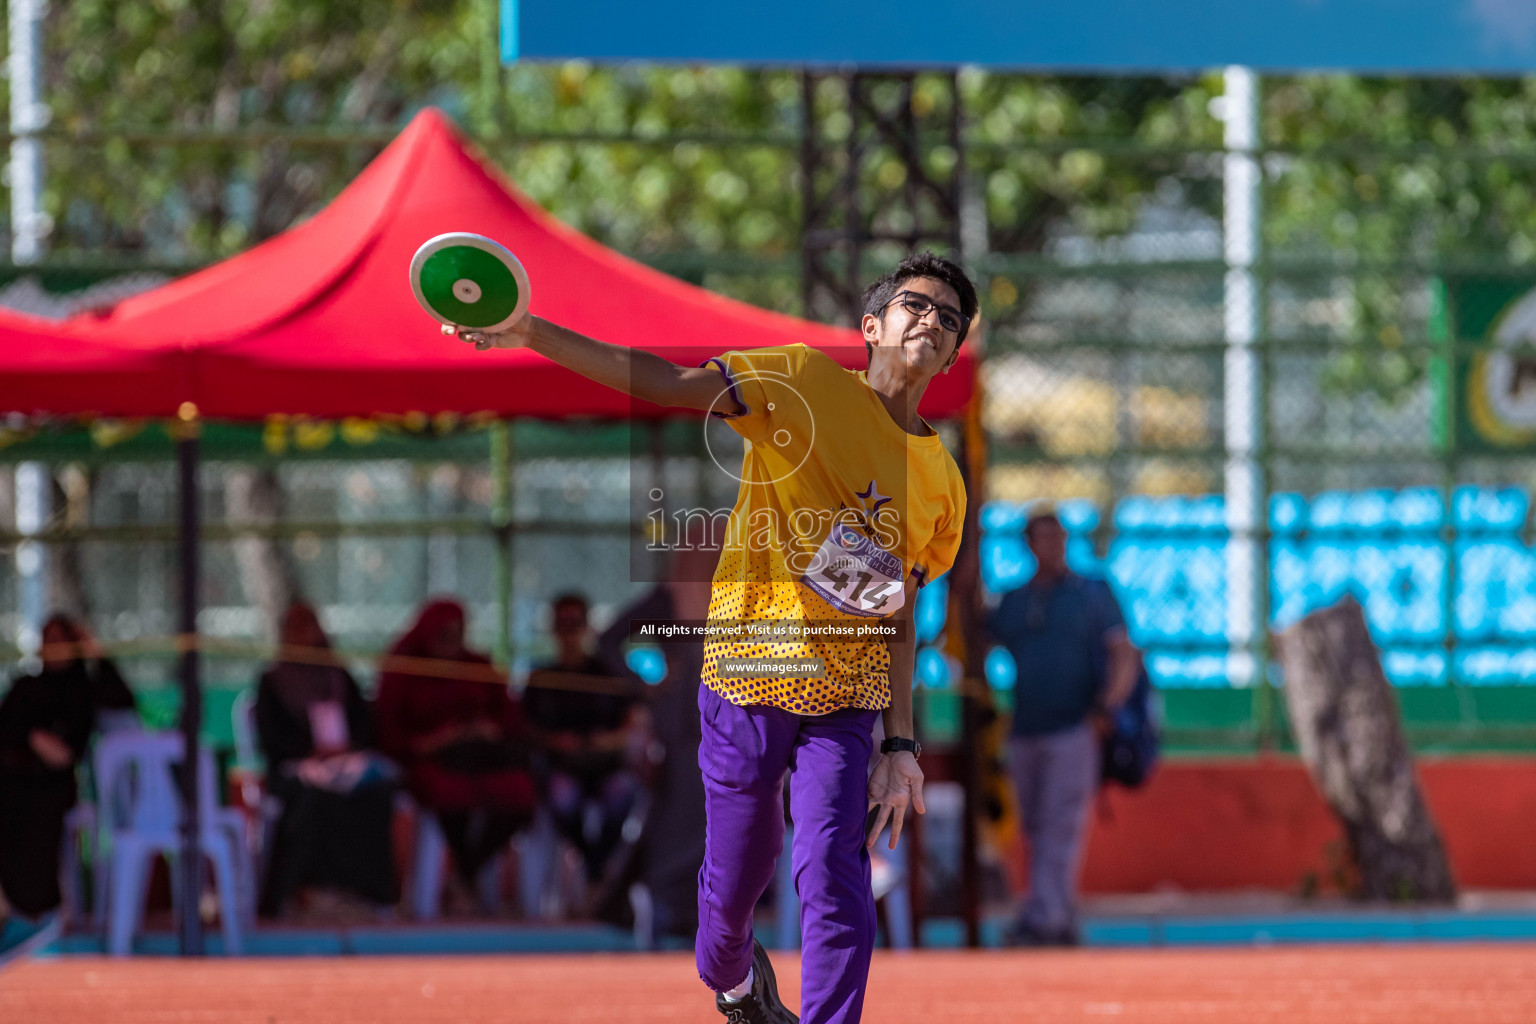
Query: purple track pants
[[744, 754]]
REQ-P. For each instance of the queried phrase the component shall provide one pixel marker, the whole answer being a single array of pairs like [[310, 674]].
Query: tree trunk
[[255, 497], [66, 566], [1345, 719], [9, 637]]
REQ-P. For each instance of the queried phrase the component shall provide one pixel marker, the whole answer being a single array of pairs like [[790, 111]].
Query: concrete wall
[[1214, 825]]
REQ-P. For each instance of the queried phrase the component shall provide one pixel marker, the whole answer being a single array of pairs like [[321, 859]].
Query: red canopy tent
[[52, 370], [320, 320]]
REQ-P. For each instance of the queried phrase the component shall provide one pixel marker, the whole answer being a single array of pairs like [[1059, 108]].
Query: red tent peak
[[285, 273], [430, 122], [320, 319]]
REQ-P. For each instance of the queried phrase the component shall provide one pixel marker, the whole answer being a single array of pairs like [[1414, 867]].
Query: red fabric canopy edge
[[47, 368]]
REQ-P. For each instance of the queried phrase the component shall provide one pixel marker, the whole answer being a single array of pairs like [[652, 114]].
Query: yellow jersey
[[838, 505]]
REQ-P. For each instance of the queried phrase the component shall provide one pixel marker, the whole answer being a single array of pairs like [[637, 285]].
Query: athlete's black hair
[[922, 264]]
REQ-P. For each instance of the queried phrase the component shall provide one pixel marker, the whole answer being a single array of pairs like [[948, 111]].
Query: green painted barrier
[[1196, 722]]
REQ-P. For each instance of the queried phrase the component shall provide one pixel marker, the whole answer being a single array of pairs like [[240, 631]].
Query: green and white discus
[[468, 282]]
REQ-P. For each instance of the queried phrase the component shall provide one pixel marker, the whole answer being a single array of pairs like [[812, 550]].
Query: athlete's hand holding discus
[[519, 335]]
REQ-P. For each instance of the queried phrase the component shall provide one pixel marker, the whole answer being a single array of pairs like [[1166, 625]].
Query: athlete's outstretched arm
[[897, 781], [635, 372]]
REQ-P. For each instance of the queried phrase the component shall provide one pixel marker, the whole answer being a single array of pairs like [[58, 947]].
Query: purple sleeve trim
[[730, 382], [922, 576]]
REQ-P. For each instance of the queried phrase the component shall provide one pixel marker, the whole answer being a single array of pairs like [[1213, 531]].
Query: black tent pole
[[189, 882]]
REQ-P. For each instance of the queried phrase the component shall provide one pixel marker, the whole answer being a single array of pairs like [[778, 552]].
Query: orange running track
[[1458, 984]]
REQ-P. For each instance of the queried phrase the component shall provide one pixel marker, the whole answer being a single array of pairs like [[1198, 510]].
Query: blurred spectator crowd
[[448, 779], [450, 789]]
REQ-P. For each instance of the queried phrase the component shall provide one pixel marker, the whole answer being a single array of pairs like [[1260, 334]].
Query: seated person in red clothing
[[446, 716], [588, 729]]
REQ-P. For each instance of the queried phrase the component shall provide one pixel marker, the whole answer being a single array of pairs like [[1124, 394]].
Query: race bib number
[[856, 575]]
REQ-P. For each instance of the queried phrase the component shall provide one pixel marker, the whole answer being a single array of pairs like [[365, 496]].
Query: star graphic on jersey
[[873, 494]]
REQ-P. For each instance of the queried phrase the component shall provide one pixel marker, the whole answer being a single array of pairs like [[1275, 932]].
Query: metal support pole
[[34, 492], [29, 115], [28, 230], [1443, 372], [189, 922], [964, 640], [490, 71], [845, 210], [1244, 385], [810, 268], [501, 525]]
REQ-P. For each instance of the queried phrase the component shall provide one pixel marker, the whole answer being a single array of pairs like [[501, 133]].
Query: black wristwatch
[[894, 743]]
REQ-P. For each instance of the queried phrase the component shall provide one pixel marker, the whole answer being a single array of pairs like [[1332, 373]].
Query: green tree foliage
[[1083, 151], [704, 181], [1084, 155], [216, 67], [697, 169], [1375, 186], [1405, 169], [694, 168], [263, 82]]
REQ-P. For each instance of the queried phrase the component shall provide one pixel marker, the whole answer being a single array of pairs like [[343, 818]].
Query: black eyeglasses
[[918, 304]]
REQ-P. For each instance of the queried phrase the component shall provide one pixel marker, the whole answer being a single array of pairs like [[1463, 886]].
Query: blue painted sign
[[1387, 548], [1412, 36]]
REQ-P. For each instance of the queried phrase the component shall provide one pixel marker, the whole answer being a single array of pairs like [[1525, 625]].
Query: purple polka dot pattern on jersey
[[857, 672]]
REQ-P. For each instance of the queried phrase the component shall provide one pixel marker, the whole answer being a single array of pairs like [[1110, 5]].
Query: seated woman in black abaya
[[317, 733], [46, 722]]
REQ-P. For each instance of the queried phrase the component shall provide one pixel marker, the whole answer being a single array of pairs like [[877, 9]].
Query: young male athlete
[[848, 503]]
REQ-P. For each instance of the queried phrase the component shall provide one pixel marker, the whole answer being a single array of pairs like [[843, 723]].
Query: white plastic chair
[[140, 810], [549, 883], [266, 808], [79, 831], [82, 834], [542, 889]]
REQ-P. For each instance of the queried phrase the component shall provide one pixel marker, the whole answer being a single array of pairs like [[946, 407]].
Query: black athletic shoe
[[761, 1005], [1020, 934]]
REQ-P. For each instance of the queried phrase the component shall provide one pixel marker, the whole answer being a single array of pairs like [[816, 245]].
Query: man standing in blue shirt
[[1075, 665]]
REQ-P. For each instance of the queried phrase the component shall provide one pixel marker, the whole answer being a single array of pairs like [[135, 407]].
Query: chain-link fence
[[1361, 352], [293, 509], [1359, 358]]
